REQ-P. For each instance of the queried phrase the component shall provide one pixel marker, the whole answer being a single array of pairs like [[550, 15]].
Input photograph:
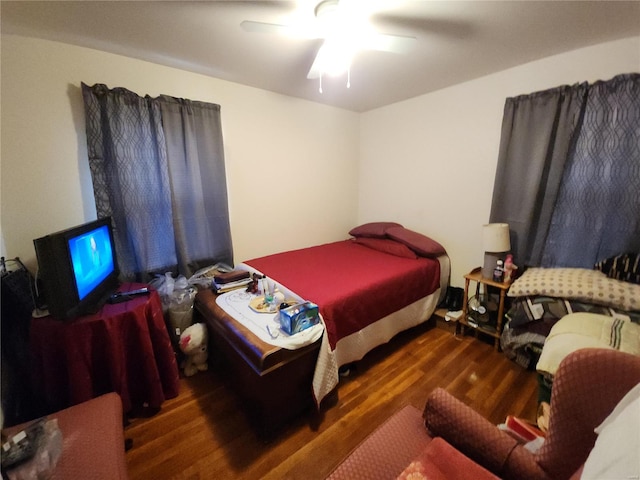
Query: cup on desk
[[268, 298], [267, 291]]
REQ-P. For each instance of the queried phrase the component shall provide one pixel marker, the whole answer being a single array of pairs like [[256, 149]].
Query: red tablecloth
[[124, 348]]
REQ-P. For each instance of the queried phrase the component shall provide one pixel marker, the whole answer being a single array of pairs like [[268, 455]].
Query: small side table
[[123, 348], [476, 276]]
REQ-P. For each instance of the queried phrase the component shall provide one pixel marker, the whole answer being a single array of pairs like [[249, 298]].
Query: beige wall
[[291, 164], [429, 162]]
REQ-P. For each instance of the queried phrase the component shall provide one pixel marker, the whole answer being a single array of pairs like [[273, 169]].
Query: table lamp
[[496, 243]]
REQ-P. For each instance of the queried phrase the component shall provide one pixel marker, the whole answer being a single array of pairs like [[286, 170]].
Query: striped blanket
[[587, 330]]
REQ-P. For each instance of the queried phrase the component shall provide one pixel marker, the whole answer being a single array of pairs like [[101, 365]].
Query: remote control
[[125, 296], [133, 293]]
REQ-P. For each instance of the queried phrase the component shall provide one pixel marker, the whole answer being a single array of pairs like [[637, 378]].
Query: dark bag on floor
[[453, 298]]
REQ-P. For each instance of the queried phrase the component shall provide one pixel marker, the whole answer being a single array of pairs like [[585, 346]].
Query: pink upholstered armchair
[[587, 387]]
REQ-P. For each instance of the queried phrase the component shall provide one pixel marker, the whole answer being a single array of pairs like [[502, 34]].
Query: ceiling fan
[[344, 27]]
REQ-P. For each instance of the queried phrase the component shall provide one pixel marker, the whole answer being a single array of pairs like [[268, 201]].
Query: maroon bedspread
[[353, 285]]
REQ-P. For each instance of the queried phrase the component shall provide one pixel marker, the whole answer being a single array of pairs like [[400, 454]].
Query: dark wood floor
[[203, 433]]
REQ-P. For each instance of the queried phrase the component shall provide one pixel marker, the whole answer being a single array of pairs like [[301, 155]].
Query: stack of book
[[225, 282], [521, 430]]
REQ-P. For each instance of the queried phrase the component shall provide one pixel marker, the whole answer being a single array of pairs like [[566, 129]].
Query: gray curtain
[[541, 180], [193, 136], [598, 206], [535, 141], [147, 181]]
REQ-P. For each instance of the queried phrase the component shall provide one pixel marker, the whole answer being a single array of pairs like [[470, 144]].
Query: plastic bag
[[177, 298], [49, 449], [164, 285], [180, 283], [181, 308]]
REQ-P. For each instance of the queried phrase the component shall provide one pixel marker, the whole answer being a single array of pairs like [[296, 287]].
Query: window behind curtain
[[568, 173], [597, 213], [153, 176]]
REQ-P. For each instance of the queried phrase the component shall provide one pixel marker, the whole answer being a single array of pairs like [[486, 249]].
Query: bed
[[381, 281]]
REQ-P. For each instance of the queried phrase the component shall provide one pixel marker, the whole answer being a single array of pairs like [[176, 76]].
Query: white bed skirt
[[355, 346]]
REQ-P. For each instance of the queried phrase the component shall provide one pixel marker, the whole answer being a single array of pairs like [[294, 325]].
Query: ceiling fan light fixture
[[334, 58], [345, 27], [348, 79], [343, 33]]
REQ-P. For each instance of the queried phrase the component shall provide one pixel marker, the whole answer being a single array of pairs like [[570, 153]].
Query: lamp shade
[[495, 237], [495, 242]]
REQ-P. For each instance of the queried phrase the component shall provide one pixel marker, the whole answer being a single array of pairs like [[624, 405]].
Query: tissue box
[[299, 317]]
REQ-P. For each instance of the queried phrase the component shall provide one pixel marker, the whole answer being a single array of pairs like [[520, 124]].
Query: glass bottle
[[498, 273]]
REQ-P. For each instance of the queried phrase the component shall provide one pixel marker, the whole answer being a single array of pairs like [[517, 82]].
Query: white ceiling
[[457, 41]]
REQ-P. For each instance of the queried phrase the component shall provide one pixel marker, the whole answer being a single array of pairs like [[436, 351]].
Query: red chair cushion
[[440, 461]]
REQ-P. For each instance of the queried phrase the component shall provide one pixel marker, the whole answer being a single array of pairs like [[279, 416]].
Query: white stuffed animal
[[193, 343]]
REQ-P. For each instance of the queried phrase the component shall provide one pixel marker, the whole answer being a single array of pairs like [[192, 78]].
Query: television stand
[[123, 348]]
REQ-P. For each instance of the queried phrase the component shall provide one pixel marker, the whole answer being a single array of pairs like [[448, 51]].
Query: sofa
[[449, 440], [93, 444]]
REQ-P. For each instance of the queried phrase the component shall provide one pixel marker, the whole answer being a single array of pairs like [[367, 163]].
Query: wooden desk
[[275, 384], [124, 348]]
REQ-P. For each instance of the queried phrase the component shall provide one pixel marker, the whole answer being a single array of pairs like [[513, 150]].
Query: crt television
[[77, 268]]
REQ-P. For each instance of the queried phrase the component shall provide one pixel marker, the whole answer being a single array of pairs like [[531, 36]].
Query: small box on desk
[[299, 317]]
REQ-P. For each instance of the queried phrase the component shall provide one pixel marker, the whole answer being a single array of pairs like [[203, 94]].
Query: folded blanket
[[587, 330]]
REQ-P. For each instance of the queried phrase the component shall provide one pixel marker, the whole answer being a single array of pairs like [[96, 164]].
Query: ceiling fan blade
[[333, 58], [274, 28], [317, 67], [261, 27], [314, 71], [389, 43]]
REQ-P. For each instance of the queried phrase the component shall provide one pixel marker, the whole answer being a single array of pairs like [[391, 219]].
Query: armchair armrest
[[477, 438]]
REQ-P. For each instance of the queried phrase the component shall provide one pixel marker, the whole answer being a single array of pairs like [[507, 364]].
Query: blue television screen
[[92, 259]]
